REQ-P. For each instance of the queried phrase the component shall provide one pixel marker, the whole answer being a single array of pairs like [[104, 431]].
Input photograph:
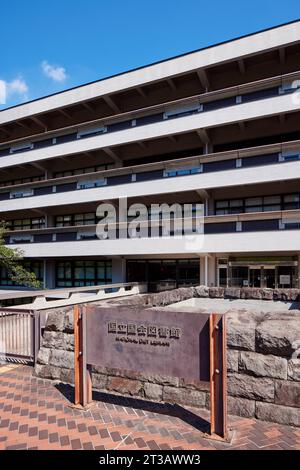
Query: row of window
[[68, 273], [26, 224], [81, 171], [171, 113], [15, 182], [181, 170], [258, 204], [164, 274], [83, 273]]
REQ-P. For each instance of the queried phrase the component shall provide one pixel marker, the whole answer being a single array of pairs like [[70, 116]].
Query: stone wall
[[263, 363]]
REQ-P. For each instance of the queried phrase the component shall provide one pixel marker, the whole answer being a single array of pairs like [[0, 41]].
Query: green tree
[[10, 260]]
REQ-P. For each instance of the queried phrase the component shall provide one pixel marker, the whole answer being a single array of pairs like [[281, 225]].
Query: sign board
[[153, 341], [284, 279], [149, 341]]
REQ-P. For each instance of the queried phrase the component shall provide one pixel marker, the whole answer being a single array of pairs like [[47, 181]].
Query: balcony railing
[[210, 163], [255, 91], [249, 222]]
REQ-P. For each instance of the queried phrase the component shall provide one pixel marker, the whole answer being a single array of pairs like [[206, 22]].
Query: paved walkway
[[38, 414]]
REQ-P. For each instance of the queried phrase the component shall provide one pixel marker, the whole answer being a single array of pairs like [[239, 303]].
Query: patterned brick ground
[[37, 414]]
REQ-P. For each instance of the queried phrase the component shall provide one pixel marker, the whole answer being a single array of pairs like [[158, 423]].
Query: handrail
[[211, 218], [228, 91], [166, 164]]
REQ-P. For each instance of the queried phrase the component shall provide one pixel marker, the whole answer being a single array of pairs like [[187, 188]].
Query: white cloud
[[2, 92], [57, 73], [17, 86]]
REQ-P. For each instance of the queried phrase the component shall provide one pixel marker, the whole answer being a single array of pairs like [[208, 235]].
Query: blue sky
[[48, 46]]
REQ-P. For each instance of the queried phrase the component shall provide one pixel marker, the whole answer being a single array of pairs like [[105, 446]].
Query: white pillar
[[206, 270], [212, 270]]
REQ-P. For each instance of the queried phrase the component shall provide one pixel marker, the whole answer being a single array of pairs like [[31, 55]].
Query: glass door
[[269, 278], [254, 277]]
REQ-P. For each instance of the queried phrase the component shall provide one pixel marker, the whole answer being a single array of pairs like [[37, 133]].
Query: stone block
[[241, 335], [48, 371], [69, 322], [184, 396], [201, 291], [43, 356], [125, 386], [267, 294], [194, 384], [252, 388], [153, 391], [287, 393], [232, 293], [58, 340], [261, 365], [251, 293], [55, 320], [232, 360], [241, 407], [216, 292], [278, 336], [67, 376], [60, 358], [294, 369], [278, 414], [99, 381]]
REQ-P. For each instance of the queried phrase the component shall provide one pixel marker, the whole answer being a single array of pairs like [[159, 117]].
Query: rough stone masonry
[[263, 358]]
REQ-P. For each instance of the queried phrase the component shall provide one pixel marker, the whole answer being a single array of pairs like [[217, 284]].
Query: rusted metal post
[[218, 376], [77, 356], [83, 382]]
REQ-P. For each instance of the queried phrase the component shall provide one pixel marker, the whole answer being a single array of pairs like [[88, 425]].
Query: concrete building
[[220, 126]]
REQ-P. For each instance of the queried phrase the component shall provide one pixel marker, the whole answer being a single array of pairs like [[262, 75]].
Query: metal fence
[[19, 335]]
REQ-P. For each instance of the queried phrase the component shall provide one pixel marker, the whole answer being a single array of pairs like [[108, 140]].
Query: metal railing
[[236, 90], [19, 335]]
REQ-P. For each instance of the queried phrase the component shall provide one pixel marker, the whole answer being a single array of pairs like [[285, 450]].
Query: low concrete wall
[[263, 359]]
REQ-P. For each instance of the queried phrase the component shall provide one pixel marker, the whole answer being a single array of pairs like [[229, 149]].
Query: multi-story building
[[220, 126]]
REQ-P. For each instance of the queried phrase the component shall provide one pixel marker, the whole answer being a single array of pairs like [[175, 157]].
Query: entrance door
[[255, 277], [269, 278]]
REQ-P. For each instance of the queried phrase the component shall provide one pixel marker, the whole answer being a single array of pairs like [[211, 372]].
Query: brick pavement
[[38, 414]]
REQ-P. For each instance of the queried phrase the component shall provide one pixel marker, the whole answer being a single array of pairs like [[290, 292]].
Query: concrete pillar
[[49, 274], [202, 271], [299, 271], [211, 275], [118, 270], [206, 264]]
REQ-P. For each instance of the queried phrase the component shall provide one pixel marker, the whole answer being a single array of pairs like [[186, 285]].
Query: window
[[63, 221], [258, 204], [183, 171], [26, 224], [85, 219], [88, 218], [81, 171], [31, 266], [91, 132], [291, 201], [83, 273], [91, 183]]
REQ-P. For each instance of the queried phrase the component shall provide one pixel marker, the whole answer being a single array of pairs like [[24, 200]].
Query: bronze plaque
[[151, 341]]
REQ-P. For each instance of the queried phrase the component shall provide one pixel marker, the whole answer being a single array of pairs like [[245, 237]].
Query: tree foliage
[[10, 260]]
